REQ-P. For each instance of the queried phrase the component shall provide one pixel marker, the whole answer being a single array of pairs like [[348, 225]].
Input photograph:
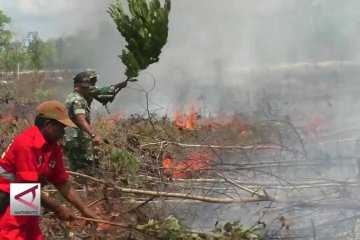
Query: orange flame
[[196, 161], [189, 120], [177, 118]]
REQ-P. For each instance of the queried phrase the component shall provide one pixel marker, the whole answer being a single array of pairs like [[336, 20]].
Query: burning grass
[[146, 164], [138, 151]]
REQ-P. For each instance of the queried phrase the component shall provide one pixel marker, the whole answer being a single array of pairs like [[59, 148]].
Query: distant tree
[[15, 55], [50, 57], [59, 49], [5, 35], [37, 51]]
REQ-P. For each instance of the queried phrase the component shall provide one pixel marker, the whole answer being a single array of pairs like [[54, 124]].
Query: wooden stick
[[242, 187], [103, 221], [141, 204], [248, 147], [77, 190], [264, 184], [171, 194], [92, 203]]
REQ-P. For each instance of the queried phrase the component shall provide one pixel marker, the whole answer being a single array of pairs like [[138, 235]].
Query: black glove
[[124, 83], [120, 85]]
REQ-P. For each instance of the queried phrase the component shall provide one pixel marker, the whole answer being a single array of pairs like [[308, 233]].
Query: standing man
[[35, 156], [79, 142]]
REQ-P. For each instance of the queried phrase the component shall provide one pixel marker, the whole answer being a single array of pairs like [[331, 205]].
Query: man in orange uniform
[[36, 156]]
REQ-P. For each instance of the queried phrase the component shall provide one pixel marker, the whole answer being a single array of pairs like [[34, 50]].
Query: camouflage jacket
[[76, 103]]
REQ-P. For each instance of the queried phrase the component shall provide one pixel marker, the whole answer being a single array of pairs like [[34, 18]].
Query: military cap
[[82, 77]]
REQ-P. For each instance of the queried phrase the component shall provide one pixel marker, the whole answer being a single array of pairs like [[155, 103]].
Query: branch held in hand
[[145, 32]]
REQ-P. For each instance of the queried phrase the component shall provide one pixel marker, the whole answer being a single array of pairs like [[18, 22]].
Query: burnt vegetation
[[280, 163], [238, 175]]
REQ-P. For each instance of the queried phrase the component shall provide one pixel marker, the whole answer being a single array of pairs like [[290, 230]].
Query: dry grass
[[125, 162]]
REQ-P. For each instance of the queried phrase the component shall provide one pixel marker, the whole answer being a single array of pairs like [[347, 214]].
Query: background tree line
[[291, 31], [30, 52]]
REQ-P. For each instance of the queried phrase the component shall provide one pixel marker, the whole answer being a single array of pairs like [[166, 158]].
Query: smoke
[[228, 55], [235, 54], [54, 18], [207, 39], [209, 44]]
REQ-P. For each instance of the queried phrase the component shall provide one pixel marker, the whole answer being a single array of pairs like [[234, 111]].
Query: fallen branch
[[291, 185], [170, 194], [141, 204], [278, 165], [248, 147], [245, 188], [103, 221], [76, 190]]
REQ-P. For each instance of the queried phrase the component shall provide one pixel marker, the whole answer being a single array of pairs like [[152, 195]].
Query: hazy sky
[[207, 38], [53, 18], [243, 31]]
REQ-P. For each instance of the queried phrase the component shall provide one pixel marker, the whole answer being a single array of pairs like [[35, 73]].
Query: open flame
[[196, 162], [243, 127], [187, 120]]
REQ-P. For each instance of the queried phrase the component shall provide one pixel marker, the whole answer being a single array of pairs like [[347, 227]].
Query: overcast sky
[[53, 18]]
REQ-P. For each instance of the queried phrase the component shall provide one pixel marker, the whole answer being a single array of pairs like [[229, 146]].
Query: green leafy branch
[[145, 32], [124, 161], [171, 229]]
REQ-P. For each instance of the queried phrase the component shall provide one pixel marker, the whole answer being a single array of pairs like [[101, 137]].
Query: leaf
[[145, 32], [124, 161]]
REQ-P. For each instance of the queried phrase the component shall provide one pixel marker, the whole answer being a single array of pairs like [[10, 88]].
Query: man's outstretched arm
[[63, 213], [68, 192]]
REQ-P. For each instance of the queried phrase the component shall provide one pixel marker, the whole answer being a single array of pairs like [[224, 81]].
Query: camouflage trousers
[[81, 155]]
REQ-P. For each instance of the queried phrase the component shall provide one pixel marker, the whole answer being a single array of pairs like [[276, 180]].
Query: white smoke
[[206, 39]]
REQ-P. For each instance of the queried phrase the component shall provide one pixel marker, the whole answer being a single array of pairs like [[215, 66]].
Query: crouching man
[[36, 156]]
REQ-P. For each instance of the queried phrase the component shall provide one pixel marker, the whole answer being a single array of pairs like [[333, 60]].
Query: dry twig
[[246, 189], [247, 147], [174, 195], [103, 221]]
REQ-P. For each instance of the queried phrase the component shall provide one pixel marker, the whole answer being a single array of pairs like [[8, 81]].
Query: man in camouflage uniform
[[78, 145]]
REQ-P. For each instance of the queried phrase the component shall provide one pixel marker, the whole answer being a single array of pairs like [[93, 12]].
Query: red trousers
[[19, 227]]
